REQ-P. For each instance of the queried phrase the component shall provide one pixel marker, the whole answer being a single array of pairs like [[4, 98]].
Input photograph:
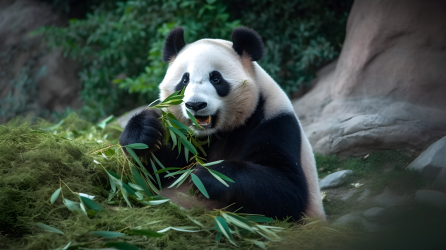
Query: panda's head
[[219, 76]]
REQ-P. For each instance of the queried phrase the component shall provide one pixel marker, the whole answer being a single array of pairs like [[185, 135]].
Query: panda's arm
[[146, 128], [268, 177]]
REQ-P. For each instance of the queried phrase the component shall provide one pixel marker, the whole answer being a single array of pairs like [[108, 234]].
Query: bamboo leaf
[[135, 187], [223, 227], [197, 145], [138, 178], [55, 126], [72, 205], [104, 122], [189, 146], [137, 146], [218, 237], [179, 124], [157, 202], [128, 189], [147, 233], [186, 154], [239, 221], [176, 131], [199, 185], [174, 137], [165, 170], [154, 189], [91, 204], [224, 177], [182, 177], [55, 195], [219, 179], [107, 234], [159, 163], [49, 228], [132, 153], [174, 95], [175, 173], [126, 196], [212, 163], [117, 176], [157, 175], [193, 119]]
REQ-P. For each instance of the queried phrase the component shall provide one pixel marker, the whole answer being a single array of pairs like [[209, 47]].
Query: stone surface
[[364, 195], [124, 119], [373, 213], [354, 221], [432, 198], [432, 160], [38, 79], [387, 89], [440, 182], [335, 179], [388, 198]]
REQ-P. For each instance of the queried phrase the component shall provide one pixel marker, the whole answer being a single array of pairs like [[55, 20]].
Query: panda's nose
[[195, 106]]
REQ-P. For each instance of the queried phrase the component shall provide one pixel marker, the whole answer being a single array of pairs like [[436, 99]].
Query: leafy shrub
[[121, 42]]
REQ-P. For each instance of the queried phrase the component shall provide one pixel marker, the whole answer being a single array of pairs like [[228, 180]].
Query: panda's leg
[[257, 189]]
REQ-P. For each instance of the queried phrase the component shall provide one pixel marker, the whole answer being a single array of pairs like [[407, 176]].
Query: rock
[[431, 161], [389, 198], [364, 195], [387, 89], [124, 119], [432, 198], [373, 213], [38, 80], [335, 179], [356, 222], [440, 182]]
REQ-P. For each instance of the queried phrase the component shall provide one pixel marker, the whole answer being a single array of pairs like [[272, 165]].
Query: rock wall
[[33, 80], [388, 87]]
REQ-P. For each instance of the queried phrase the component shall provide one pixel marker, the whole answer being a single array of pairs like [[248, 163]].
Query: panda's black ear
[[173, 44], [245, 39]]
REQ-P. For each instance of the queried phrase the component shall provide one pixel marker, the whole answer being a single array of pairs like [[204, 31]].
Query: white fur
[[248, 80]]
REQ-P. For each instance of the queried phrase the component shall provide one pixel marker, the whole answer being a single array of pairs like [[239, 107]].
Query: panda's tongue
[[203, 120]]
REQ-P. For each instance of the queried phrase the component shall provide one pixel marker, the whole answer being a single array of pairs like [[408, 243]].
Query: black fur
[[262, 157], [146, 128], [245, 39], [173, 44], [183, 82], [222, 86]]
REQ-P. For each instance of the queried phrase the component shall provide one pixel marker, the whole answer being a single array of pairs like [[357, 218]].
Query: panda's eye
[[214, 77], [185, 79]]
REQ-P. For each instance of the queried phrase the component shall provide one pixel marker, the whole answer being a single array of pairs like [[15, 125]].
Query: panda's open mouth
[[206, 121]]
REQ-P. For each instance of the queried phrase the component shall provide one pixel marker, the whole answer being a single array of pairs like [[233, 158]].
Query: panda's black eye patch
[[220, 84], [183, 83], [215, 79]]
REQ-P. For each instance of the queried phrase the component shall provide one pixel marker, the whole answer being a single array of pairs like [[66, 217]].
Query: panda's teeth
[[204, 121]]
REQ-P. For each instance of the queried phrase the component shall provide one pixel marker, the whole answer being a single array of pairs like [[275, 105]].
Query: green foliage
[[300, 36], [119, 44]]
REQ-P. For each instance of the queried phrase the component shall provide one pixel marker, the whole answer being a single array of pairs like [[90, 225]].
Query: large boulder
[[388, 87], [432, 161], [33, 79]]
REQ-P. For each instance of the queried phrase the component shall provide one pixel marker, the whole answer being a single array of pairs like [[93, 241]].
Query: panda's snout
[[196, 106]]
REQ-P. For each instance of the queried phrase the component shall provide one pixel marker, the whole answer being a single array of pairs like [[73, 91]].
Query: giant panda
[[249, 119]]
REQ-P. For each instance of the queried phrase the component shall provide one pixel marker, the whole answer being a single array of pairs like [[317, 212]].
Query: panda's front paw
[[146, 128]]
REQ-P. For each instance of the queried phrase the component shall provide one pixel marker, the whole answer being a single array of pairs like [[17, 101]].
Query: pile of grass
[[34, 162]]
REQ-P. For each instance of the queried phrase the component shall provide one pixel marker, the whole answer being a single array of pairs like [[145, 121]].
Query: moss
[[34, 162]]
